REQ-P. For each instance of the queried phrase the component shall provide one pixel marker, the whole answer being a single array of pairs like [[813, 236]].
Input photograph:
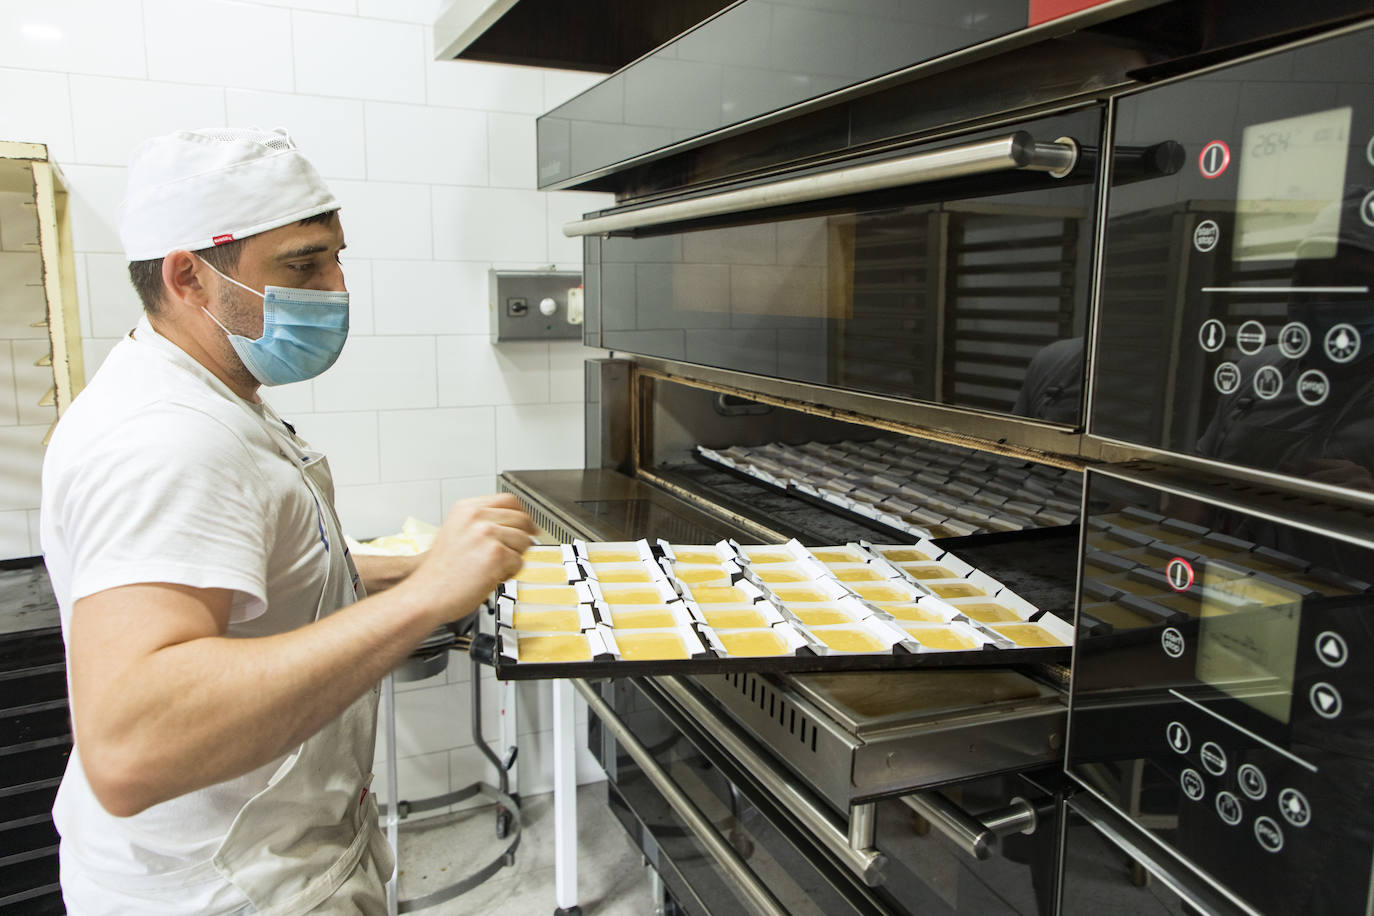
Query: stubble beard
[[236, 314]]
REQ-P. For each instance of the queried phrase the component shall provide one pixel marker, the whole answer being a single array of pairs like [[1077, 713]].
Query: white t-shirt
[[160, 473]]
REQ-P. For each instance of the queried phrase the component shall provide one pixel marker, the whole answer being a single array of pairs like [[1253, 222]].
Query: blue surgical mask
[[303, 332]]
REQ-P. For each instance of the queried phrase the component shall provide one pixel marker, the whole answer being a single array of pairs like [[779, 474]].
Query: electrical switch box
[[535, 305]]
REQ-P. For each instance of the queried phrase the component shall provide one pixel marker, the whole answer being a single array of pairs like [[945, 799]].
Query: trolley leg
[[564, 800]]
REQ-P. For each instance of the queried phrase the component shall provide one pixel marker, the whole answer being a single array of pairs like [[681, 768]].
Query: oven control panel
[[1221, 696], [1237, 318]]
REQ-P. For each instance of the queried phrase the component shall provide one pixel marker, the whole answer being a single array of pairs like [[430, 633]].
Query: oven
[[974, 300]]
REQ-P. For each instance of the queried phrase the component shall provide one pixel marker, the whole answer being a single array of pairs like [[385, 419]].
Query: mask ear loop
[[225, 276]]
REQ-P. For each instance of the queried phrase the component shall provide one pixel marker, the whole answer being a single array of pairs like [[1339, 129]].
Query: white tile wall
[[434, 164]]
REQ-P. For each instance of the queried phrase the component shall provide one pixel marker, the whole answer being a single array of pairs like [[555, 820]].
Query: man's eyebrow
[[305, 251]]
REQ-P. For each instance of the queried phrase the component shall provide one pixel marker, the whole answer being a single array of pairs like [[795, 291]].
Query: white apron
[[309, 842]]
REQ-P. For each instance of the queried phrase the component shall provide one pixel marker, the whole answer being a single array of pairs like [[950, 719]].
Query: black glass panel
[[1237, 320], [1099, 877], [976, 299], [758, 57], [1221, 693]]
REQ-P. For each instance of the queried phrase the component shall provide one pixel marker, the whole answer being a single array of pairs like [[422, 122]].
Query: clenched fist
[[479, 546]]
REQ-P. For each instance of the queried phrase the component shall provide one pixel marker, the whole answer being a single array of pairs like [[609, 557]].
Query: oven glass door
[[969, 292], [1221, 696], [1236, 316]]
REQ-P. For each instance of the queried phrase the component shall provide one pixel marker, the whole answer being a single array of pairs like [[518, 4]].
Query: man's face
[[294, 256]]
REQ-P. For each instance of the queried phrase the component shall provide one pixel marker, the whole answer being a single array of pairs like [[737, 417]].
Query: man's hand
[[479, 546]]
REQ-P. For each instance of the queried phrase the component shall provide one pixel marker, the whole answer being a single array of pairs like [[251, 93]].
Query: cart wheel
[[503, 821], [570, 911]]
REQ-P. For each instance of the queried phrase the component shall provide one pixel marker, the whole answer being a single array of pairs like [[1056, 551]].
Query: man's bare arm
[[163, 703], [380, 573]]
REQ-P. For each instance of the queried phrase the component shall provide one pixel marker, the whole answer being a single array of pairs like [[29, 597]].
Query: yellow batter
[[753, 642], [629, 595], [687, 555], [850, 639], [957, 590], [1255, 591], [542, 575], [912, 612], [1029, 635], [926, 571], [781, 574], [905, 555], [539, 649], [558, 621], [544, 554], [561, 596], [799, 593], [733, 618], [612, 554], [769, 555], [821, 615], [837, 555], [690, 574], [719, 594], [646, 646], [944, 638], [881, 592], [987, 612], [856, 574], [622, 574], [642, 618]]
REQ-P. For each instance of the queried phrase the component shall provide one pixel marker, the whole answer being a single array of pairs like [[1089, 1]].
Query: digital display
[[1292, 176], [1247, 641]]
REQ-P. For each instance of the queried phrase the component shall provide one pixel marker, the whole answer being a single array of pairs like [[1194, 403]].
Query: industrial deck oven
[[1004, 276]]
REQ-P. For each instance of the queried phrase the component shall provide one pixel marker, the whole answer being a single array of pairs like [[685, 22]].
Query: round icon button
[[1179, 572], [1179, 739], [1326, 700], [1213, 758], [1228, 808], [1206, 235], [1268, 382], [1252, 781], [1172, 641], [1331, 649], [1294, 339], [1211, 335], [1226, 378], [1313, 387], [1294, 808], [1342, 343], [1250, 337], [1193, 786], [1213, 159], [1268, 834], [1369, 151], [1367, 209]]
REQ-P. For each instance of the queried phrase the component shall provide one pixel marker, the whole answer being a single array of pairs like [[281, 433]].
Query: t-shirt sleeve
[[172, 496]]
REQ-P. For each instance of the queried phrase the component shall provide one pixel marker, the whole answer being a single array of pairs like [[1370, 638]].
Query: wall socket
[[534, 305]]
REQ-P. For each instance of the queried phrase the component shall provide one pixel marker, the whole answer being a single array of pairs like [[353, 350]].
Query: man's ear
[[182, 273]]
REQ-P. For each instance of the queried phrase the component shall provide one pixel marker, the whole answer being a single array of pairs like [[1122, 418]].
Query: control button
[[1294, 808], [1331, 649], [1179, 572], [1369, 151], [1206, 235], [1313, 387], [1252, 781], [1326, 700], [1367, 209], [1211, 335], [1268, 382], [1268, 833], [1250, 337], [1172, 641], [1228, 808], [1294, 339], [1226, 378], [1213, 758], [1342, 343], [1213, 159], [1178, 736], [1193, 786]]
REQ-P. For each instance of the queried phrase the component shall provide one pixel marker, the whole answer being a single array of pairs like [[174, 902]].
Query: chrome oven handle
[[851, 844], [1015, 152], [759, 898], [976, 835]]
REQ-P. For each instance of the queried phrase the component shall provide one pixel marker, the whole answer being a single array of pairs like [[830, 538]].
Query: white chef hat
[[196, 188]]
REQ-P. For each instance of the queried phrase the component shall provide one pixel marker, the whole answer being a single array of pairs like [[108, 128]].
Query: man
[[223, 654]]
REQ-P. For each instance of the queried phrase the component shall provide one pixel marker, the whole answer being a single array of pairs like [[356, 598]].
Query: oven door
[[774, 863], [954, 272], [1221, 699]]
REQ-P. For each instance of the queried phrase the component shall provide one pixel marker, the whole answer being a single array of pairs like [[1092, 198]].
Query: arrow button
[[1331, 649], [1326, 700]]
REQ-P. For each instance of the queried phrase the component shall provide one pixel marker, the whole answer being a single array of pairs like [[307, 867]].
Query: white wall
[[434, 162]]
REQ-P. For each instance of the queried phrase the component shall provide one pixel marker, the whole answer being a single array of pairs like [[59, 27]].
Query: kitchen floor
[[612, 880]]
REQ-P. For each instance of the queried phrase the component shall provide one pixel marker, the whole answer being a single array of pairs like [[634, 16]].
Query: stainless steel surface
[[752, 890], [609, 439], [814, 814], [976, 835], [513, 305], [863, 826], [1017, 151]]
